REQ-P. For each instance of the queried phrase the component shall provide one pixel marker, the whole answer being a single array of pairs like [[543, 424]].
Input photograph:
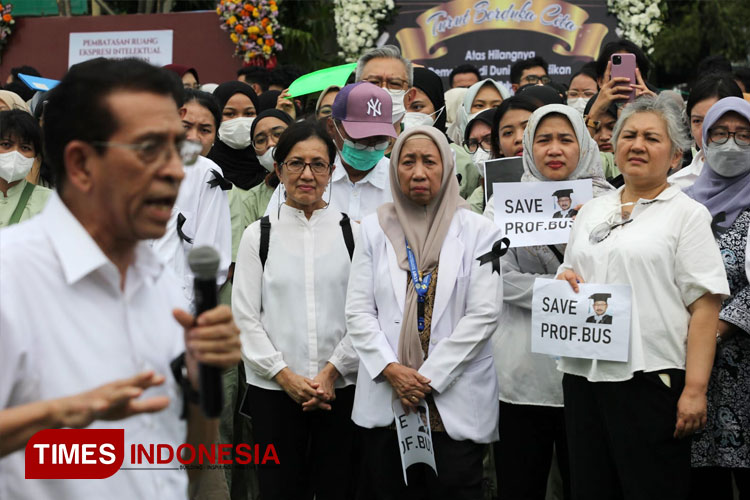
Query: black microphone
[[204, 262]]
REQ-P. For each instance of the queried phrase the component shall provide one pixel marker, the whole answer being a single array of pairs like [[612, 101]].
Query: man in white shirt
[[360, 126], [85, 301]]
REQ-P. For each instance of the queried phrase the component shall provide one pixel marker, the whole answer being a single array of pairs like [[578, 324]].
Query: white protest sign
[[414, 436], [154, 47], [593, 323], [538, 213]]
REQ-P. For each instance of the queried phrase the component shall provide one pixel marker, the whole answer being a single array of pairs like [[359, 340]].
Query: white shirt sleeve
[[362, 324], [257, 348]]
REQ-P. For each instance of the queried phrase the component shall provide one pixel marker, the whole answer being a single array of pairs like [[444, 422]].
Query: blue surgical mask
[[359, 156], [361, 159]]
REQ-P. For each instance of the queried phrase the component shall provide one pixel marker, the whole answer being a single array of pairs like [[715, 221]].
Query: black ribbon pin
[[495, 254], [220, 181], [181, 222], [718, 219]]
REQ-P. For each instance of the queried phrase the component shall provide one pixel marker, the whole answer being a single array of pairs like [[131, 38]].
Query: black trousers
[[620, 438], [316, 450], [523, 455], [459, 466], [716, 483]]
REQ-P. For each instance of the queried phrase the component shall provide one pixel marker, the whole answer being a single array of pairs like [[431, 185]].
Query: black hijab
[[240, 166], [271, 179], [267, 100], [428, 82], [541, 94]]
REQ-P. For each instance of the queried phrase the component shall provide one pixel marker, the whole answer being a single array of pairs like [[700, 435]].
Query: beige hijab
[[424, 227], [13, 100]]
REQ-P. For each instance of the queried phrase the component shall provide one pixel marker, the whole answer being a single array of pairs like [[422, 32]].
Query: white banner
[[593, 323], [414, 436], [538, 213], [154, 47]]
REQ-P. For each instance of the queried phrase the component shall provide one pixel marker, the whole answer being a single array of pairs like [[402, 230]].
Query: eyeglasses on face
[[473, 144], [262, 139], [534, 79], [394, 84], [154, 153], [317, 167], [720, 135]]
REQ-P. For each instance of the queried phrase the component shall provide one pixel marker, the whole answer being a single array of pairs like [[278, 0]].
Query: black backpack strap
[[557, 253], [265, 235], [346, 228]]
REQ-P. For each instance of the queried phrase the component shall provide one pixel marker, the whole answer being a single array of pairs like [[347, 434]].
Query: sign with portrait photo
[[539, 213], [593, 323]]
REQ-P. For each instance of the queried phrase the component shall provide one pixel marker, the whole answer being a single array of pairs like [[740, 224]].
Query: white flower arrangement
[[638, 20], [357, 24]]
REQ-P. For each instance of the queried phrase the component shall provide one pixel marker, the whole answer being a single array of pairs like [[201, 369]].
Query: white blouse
[[668, 255], [292, 313]]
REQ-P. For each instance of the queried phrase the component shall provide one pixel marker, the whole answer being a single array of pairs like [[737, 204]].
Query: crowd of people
[[360, 267]]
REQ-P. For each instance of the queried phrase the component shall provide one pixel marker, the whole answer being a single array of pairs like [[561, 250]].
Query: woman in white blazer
[[438, 350]]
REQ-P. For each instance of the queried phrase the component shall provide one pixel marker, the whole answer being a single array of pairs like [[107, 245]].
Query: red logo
[[75, 453]]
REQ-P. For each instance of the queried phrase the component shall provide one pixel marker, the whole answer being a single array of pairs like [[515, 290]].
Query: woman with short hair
[[288, 300], [628, 423], [424, 296]]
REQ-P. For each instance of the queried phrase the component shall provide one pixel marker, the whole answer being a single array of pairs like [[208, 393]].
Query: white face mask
[[266, 159], [416, 119], [14, 166], [579, 103], [235, 133], [479, 157], [397, 98], [728, 159]]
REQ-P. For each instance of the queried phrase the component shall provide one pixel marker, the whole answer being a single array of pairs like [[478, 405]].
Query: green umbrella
[[321, 79]]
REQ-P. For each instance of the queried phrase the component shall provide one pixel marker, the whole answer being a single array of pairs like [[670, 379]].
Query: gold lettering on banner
[[556, 18]]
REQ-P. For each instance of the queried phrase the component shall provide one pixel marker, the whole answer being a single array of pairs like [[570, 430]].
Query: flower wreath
[[638, 20], [252, 25]]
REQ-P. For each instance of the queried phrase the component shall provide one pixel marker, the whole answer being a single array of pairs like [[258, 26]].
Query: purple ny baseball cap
[[364, 110]]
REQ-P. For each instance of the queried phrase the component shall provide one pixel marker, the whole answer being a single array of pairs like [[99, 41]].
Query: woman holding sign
[[423, 300], [723, 186], [628, 423], [556, 147]]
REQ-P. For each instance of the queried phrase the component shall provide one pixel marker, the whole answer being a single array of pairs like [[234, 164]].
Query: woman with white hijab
[[424, 296], [531, 399], [480, 96]]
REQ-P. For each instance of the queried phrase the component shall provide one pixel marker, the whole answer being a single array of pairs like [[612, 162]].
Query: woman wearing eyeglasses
[[288, 301], [480, 96], [629, 423], [722, 451], [556, 147], [477, 143], [424, 296]]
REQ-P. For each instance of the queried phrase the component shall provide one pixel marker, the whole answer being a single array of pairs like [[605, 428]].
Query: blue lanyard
[[421, 285]]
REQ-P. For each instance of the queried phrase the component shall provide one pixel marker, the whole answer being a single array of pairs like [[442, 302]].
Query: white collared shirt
[[668, 255], [292, 312], [357, 199], [67, 327], [207, 222], [686, 176]]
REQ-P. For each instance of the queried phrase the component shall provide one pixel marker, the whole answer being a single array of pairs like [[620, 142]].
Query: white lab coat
[[467, 306]]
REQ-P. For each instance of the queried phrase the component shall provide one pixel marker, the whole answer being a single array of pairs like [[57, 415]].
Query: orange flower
[[7, 18], [249, 7], [269, 42], [245, 13], [253, 37], [239, 28], [265, 22]]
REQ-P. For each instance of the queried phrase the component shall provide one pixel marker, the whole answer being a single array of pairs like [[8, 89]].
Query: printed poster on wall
[[154, 47], [593, 323], [539, 213], [493, 34]]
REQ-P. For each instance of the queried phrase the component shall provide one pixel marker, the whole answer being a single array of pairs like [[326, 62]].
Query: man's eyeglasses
[[318, 167], [720, 135], [473, 144], [394, 84], [262, 139], [534, 79], [155, 152]]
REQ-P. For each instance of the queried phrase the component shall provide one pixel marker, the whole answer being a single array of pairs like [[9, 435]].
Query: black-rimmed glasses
[[603, 230], [720, 135], [473, 144], [297, 166]]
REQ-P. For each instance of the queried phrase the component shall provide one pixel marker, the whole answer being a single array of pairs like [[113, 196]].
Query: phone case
[[625, 69]]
